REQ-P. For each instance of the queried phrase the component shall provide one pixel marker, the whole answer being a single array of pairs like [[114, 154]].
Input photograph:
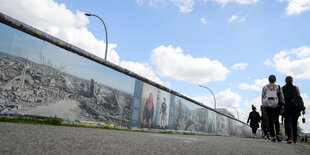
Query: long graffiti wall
[[45, 76]]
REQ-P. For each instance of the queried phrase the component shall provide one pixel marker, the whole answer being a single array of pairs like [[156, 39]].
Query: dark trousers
[[265, 130], [273, 118], [254, 129], [264, 124], [290, 122]]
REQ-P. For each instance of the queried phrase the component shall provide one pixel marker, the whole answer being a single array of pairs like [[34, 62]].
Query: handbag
[[298, 103]]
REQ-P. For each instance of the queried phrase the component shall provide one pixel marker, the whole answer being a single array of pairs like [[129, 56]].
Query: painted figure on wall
[[163, 112], [148, 112]]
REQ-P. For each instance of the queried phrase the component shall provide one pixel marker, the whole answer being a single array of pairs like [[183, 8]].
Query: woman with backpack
[[255, 119], [292, 109], [273, 104]]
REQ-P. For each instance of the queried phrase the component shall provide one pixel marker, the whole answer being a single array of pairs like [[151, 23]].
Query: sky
[[229, 46]]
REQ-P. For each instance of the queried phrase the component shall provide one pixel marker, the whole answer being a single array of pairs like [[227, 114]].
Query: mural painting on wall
[[148, 106], [210, 121], [162, 110], [222, 125], [39, 78], [32, 85], [232, 127], [30, 88], [188, 116], [171, 112], [238, 129], [246, 130]]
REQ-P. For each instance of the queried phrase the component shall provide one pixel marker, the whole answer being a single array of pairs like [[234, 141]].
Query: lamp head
[[88, 14]]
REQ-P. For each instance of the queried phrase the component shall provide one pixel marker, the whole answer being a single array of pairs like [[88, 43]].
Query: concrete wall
[[45, 76]]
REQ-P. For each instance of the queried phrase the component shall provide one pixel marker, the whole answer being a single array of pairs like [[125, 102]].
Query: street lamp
[[236, 111], [212, 94], [106, 34]]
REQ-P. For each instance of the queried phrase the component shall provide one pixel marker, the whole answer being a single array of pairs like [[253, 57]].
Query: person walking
[[273, 104], [264, 123], [291, 111], [254, 119]]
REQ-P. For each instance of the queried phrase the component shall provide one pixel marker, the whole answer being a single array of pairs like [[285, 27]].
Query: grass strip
[[48, 121]]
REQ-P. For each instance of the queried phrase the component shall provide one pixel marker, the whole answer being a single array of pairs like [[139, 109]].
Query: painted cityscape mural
[[39, 78]]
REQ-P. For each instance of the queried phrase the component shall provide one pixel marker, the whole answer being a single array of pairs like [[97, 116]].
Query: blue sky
[[230, 46]]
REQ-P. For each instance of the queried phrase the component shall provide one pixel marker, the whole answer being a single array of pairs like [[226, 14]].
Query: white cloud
[[306, 100], [143, 69], [185, 6], [239, 66], [267, 62], [153, 3], [233, 18], [297, 6], [223, 99], [203, 20], [242, 19], [139, 2], [257, 102], [243, 2], [208, 101], [57, 20], [172, 62], [36, 13], [236, 18], [228, 98], [257, 86], [294, 62]]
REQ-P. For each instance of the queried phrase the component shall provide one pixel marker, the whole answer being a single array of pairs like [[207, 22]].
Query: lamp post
[[212, 94], [106, 34], [236, 111]]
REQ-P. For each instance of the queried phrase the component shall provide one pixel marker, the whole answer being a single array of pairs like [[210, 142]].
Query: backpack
[[272, 99]]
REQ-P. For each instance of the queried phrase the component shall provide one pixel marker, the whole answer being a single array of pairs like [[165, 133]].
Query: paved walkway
[[40, 139]]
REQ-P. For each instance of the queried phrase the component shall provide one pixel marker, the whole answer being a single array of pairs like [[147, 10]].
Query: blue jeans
[[290, 123]]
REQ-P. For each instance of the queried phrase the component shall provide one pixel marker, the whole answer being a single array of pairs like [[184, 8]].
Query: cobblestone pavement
[[40, 139]]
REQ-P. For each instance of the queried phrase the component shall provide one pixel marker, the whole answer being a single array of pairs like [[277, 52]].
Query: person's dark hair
[[272, 78], [289, 81], [253, 108]]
